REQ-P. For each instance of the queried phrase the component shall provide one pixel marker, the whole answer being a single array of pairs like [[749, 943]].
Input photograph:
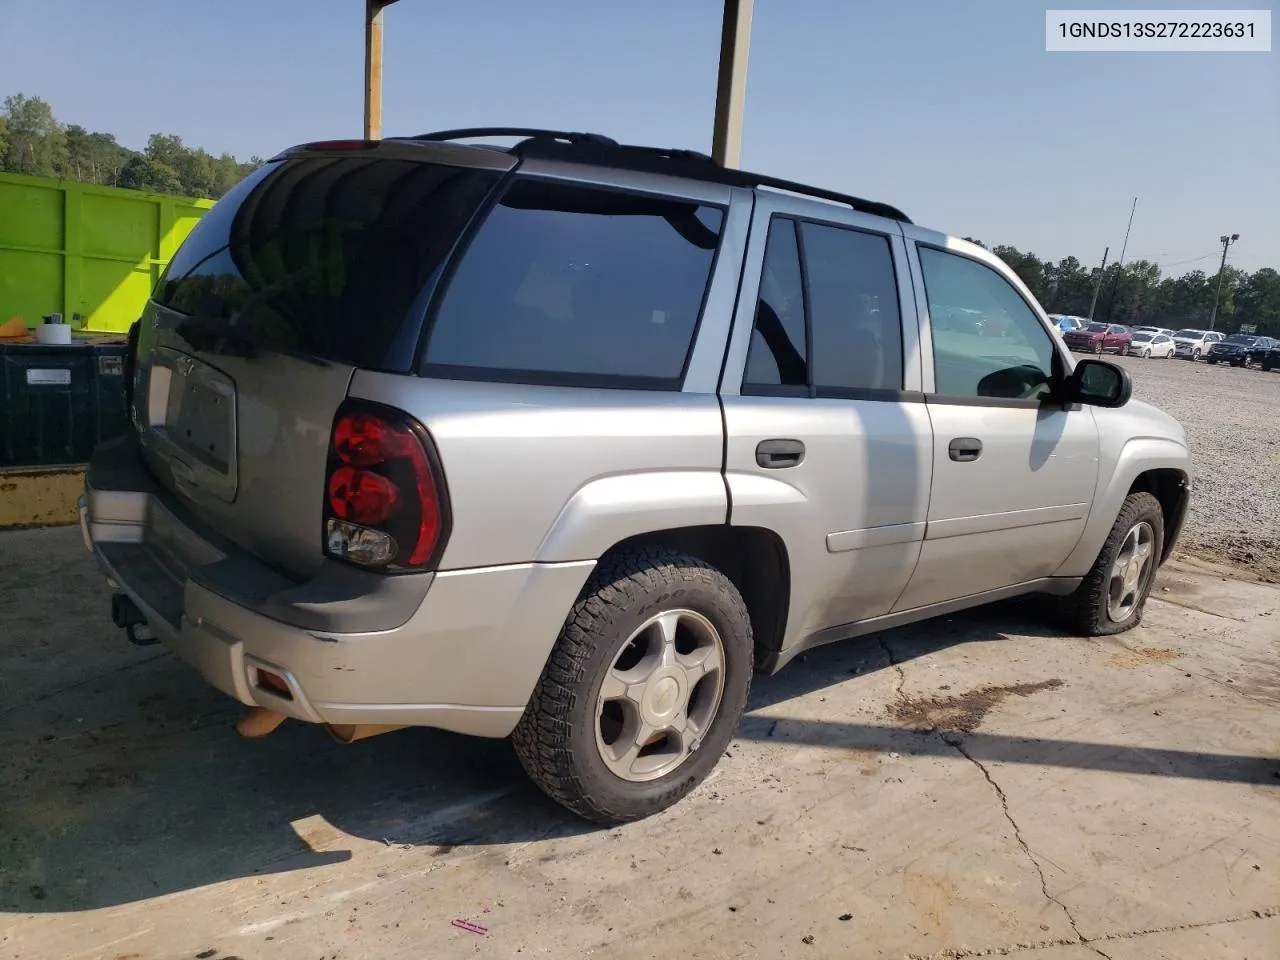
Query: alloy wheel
[[660, 695], [1131, 572]]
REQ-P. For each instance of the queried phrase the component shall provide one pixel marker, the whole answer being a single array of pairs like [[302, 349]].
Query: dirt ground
[[972, 787]]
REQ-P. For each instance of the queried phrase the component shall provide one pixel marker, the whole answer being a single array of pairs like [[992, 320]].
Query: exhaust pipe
[[258, 722], [351, 732]]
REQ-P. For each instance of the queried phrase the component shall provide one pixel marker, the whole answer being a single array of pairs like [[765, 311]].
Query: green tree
[[1257, 301], [1029, 268], [35, 142], [140, 172]]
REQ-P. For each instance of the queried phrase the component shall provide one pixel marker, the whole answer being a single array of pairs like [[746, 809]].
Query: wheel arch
[[1158, 465], [754, 559]]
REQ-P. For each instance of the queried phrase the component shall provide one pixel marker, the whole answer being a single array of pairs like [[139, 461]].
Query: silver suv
[[563, 441]]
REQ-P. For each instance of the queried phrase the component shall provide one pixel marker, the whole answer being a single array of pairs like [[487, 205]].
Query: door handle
[[775, 454], [965, 449]]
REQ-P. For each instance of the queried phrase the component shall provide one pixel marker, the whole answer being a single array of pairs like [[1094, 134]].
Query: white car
[[1147, 344], [1190, 344]]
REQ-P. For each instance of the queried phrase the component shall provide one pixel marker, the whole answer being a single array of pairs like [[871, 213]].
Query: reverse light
[[385, 505]]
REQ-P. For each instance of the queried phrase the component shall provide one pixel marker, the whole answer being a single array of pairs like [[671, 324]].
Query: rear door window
[[827, 318], [324, 256], [577, 285]]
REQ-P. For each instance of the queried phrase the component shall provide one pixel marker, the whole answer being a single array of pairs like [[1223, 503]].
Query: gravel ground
[[1232, 419]]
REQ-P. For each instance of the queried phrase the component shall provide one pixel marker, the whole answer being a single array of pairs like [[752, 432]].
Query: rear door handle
[[776, 454], [965, 449]]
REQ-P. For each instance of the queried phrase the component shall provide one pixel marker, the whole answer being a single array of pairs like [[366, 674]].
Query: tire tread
[[621, 581]]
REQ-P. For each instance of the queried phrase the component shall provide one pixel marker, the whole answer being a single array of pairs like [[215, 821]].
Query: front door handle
[[775, 454], [965, 449]]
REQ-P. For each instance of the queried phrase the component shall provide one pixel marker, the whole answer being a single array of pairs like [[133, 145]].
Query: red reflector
[[362, 496], [275, 683]]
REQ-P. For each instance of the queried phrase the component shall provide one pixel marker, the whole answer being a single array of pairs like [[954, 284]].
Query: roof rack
[[605, 151]]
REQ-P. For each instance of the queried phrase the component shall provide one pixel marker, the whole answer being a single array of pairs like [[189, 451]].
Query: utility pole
[[373, 67], [1111, 302], [1226, 241], [1102, 270], [731, 83]]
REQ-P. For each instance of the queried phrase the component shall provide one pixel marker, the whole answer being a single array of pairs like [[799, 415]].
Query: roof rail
[[528, 133], [597, 149]]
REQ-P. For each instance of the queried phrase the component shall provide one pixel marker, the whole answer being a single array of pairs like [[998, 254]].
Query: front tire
[[1097, 349], [1115, 591], [1146, 354], [643, 690]]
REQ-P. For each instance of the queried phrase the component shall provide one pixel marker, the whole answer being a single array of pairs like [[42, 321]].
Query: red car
[[1100, 338]]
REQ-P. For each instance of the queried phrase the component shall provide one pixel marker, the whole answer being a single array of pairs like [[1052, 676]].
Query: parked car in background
[[1066, 323], [1191, 344], [1100, 338], [1165, 330], [1239, 349], [1148, 344], [1270, 359]]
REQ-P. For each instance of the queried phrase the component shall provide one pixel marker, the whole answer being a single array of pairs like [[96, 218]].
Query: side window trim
[[930, 388], [904, 292]]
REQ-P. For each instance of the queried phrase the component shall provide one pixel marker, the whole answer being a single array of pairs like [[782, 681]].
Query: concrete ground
[[976, 786]]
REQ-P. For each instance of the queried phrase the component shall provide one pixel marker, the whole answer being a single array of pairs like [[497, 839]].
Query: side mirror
[[1099, 384]]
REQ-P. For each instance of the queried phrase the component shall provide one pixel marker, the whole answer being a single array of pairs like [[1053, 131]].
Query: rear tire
[[1115, 591], [639, 596]]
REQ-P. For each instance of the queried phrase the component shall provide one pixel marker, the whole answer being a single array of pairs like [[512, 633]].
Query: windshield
[[1096, 328], [1247, 340], [1189, 334], [324, 257]]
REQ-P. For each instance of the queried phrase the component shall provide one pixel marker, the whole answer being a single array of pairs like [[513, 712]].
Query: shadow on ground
[[125, 781]]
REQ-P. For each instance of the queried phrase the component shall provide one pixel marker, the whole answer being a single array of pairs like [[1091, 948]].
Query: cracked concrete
[[957, 741], [1131, 810]]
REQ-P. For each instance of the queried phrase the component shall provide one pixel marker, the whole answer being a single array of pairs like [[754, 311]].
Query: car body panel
[[223, 552], [852, 536]]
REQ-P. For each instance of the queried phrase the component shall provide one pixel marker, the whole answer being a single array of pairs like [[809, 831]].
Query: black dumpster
[[59, 402]]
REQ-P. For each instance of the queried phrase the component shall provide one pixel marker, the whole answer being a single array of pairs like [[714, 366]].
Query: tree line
[[1136, 293], [32, 141]]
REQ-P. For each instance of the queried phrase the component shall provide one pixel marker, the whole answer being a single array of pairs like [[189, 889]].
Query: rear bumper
[[460, 650]]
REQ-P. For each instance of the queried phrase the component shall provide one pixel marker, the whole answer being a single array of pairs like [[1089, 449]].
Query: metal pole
[[373, 67], [1102, 270], [1222, 267], [1111, 302], [731, 84]]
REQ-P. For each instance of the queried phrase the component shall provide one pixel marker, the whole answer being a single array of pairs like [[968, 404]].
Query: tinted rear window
[[579, 285], [327, 257]]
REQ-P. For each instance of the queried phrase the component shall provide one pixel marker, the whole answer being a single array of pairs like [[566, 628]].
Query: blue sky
[[950, 109]]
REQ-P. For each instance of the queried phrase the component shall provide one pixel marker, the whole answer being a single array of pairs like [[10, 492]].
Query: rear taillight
[[385, 501]]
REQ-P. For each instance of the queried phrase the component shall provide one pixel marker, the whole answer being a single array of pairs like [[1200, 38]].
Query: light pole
[[1226, 241]]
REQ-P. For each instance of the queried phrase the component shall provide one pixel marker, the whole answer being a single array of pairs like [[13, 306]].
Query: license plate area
[[196, 428], [198, 421]]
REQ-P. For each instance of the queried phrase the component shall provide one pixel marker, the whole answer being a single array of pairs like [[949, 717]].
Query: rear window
[[327, 257], [577, 285]]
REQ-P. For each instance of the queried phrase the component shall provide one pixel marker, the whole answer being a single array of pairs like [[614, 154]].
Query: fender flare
[[1139, 455]]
